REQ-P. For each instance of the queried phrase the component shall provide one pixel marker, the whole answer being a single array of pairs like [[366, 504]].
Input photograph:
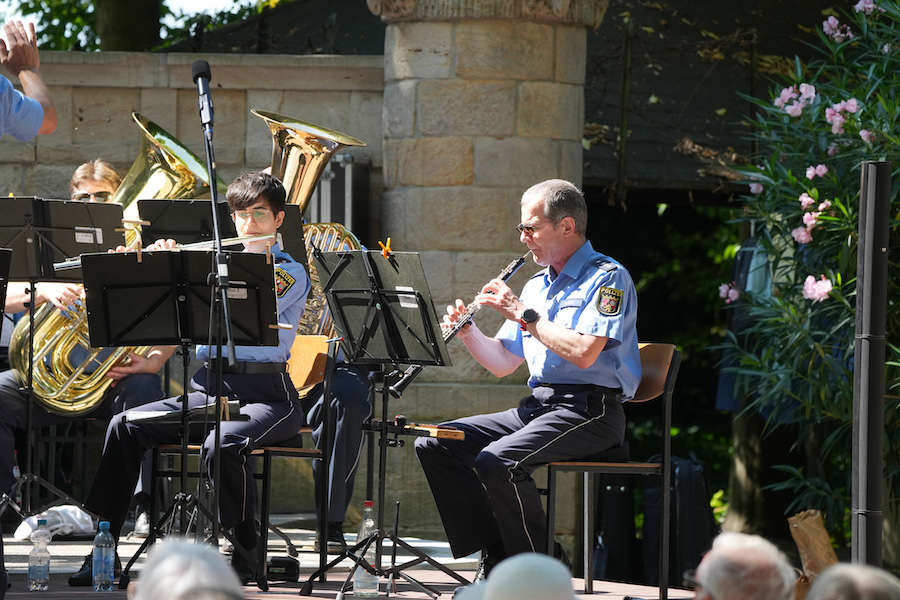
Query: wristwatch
[[528, 316]]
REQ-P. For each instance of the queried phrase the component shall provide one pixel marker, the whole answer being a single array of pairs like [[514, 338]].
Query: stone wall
[[95, 94]]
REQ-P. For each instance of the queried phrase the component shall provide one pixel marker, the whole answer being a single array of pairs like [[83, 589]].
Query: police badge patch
[[283, 282], [610, 301]]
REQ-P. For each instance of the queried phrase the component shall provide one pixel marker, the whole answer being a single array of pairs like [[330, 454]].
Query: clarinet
[[413, 371]]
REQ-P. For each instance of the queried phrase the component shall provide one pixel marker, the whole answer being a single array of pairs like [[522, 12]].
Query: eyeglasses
[[258, 214], [526, 229], [99, 196]]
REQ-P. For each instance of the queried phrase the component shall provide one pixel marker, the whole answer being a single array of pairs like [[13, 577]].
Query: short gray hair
[[746, 567], [561, 199], [178, 569], [854, 582]]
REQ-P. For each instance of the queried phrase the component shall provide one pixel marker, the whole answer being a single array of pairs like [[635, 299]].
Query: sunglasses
[[100, 196], [526, 229]]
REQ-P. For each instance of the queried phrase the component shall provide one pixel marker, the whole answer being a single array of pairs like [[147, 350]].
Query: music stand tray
[[42, 232]]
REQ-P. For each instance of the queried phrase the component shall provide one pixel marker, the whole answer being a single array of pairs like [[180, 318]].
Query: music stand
[[383, 310], [5, 258], [40, 232], [165, 298]]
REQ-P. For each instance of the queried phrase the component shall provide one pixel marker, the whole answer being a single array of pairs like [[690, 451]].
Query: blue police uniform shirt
[[291, 288], [593, 295], [20, 116]]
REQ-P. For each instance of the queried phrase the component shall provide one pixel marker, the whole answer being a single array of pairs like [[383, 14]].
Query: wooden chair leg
[[588, 551], [264, 513]]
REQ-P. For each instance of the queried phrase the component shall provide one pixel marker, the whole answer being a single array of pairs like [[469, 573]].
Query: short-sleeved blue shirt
[[20, 116], [593, 295], [291, 288]]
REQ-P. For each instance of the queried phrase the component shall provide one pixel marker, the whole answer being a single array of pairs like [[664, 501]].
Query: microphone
[[201, 75]]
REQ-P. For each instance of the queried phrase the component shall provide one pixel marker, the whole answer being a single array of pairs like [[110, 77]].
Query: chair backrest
[[306, 365], [656, 362]]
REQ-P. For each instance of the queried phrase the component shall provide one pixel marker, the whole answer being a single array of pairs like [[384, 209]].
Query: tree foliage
[[795, 357]]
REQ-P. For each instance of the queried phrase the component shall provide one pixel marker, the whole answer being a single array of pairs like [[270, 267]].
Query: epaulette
[[605, 265], [281, 259]]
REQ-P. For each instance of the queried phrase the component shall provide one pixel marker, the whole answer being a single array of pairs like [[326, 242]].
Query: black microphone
[[201, 75]]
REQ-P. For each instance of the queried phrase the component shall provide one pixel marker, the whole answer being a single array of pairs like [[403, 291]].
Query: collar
[[576, 263]]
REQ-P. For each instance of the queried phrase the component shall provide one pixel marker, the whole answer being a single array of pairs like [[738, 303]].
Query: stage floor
[[68, 555]]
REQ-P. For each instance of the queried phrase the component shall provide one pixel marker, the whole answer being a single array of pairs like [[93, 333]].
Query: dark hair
[[248, 188], [561, 199]]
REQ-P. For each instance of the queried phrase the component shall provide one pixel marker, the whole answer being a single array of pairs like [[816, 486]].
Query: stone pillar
[[482, 99]]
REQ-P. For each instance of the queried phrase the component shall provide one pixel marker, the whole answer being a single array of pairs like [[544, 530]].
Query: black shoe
[[334, 539], [242, 568], [85, 578]]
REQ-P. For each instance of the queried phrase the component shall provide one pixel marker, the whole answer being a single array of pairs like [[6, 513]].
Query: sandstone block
[[13, 179], [571, 161], [460, 107], [438, 267], [399, 108], [419, 50], [393, 213], [105, 69], [437, 161], [230, 127], [504, 50], [550, 110], [158, 104], [14, 151], [514, 162], [365, 124], [258, 143], [49, 181], [571, 54]]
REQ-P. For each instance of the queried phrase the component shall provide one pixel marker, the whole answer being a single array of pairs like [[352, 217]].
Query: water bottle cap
[[368, 504], [42, 522], [104, 525]]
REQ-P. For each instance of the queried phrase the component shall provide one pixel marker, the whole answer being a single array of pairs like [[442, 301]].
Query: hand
[[63, 296], [454, 313], [162, 245], [21, 51], [135, 363], [498, 296]]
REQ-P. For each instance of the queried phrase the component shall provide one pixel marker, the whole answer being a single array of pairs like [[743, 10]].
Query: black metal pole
[[868, 367]]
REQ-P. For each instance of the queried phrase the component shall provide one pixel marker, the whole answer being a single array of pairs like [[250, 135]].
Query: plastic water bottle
[[103, 560], [39, 559], [365, 585]]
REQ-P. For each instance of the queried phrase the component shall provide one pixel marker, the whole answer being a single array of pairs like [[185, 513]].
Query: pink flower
[[723, 290], [729, 292], [787, 94], [864, 6], [830, 113], [831, 26], [824, 205], [806, 201], [810, 172], [816, 290], [866, 135], [852, 105], [886, 49], [821, 170], [756, 188], [832, 149], [795, 109], [837, 124], [733, 294], [811, 219], [807, 92], [801, 235]]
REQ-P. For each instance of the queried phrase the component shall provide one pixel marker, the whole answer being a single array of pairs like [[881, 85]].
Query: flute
[[413, 371], [75, 263]]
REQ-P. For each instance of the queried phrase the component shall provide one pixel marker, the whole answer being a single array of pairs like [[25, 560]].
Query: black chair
[[659, 370]]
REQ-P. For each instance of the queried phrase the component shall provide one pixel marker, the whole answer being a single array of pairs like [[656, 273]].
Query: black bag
[[692, 524], [615, 551]]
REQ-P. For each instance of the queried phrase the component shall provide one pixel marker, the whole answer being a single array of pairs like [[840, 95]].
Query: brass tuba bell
[[164, 168]]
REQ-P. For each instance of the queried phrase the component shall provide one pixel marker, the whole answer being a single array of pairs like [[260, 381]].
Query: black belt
[[248, 368], [580, 387]]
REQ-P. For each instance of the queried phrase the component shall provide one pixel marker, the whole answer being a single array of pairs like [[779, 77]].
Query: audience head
[[744, 567], [529, 576], [96, 181], [178, 569], [854, 582]]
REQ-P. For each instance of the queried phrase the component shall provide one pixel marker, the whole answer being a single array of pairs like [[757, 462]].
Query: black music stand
[[40, 232], [165, 297], [383, 310], [188, 221], [5, 258]]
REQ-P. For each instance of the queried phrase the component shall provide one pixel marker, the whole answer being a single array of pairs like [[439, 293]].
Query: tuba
[[300, 152], [164, 168]]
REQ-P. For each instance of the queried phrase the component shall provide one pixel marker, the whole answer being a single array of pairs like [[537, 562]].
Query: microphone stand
[[201, 75]]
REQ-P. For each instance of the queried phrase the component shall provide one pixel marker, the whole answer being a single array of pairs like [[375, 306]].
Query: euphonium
[[164, 168], [300, 152]]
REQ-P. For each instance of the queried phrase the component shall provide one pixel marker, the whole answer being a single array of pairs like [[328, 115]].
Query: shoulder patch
[[283, 282], [609, 302]]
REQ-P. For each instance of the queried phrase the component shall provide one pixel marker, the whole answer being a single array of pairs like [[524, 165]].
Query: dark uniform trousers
[[271, 402], [130, 392], [350, 407], [483, 486]]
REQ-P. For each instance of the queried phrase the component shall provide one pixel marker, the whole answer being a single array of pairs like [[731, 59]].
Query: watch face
[[529, 315]]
